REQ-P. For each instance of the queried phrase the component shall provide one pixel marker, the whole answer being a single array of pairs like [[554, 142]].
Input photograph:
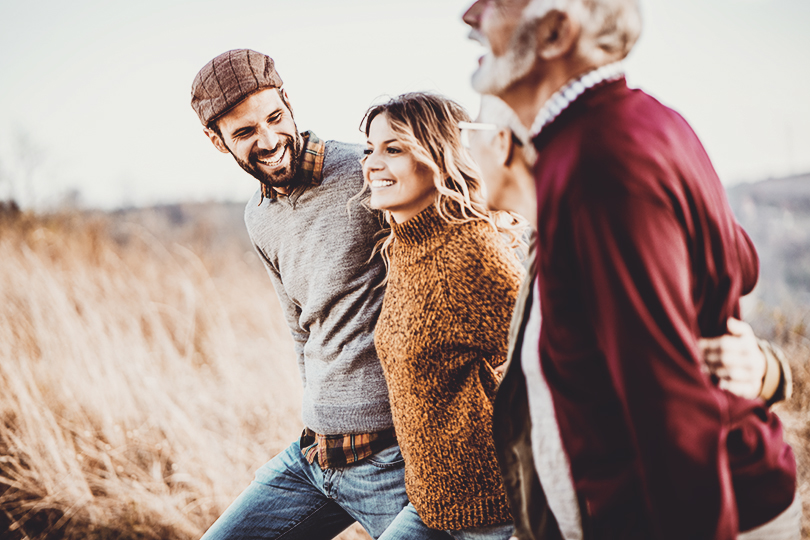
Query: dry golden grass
[[142, 381], [792, 332]]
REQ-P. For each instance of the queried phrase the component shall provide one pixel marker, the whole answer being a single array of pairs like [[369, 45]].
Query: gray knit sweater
[[316, 254]]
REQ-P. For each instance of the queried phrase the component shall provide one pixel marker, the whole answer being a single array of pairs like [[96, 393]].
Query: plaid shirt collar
[[309, 173], [569, 93]]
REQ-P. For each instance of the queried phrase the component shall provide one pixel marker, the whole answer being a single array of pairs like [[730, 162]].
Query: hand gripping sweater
[[443, 327]]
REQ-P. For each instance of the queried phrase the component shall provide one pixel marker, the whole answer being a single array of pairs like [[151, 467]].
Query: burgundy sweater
[[639, 255]]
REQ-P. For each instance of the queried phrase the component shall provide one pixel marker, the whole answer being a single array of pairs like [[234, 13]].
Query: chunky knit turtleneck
[[443, 327], [421, 228]]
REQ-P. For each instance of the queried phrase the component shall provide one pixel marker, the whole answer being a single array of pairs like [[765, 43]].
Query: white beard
[[496, 74]]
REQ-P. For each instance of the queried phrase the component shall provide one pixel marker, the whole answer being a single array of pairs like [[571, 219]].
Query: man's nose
[[473, 13], [267, 138]]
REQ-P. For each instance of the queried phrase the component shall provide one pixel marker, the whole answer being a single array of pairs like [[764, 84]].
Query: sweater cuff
[[777, 384]]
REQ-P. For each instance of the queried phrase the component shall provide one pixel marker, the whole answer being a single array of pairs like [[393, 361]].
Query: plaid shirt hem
[[333, 451], [310, 168]]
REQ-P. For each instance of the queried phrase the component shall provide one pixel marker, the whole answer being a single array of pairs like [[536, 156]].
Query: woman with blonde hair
[[451, 286]]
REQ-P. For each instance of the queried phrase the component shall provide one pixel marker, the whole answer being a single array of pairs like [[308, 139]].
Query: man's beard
[[497, 74], [283, 178]]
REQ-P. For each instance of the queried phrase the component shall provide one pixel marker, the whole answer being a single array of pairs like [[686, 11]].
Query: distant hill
[[216, 224], [791, 193], [776, 214]]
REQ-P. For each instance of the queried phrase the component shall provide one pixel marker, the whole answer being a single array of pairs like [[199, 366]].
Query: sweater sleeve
[[749, 261], [636, 284], [480, 282], [292, 312]]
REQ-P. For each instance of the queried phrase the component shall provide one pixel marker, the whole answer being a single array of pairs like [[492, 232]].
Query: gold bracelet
[[773, 371]]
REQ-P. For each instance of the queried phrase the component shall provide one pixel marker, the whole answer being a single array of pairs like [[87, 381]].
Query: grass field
[[792, 332], [143, 378]]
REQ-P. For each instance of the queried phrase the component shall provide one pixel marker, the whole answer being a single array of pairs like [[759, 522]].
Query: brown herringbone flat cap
[[228, 79]]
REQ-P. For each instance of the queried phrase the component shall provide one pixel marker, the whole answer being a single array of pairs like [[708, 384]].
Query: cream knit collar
[[569, 93]]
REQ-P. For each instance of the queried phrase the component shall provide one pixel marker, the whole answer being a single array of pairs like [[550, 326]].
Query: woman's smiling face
[[398, 182]]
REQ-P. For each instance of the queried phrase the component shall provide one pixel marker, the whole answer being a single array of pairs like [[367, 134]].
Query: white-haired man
[[525, 430], [638, 255]]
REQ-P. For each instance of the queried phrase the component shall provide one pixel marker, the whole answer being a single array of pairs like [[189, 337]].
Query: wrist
[[776, 384]]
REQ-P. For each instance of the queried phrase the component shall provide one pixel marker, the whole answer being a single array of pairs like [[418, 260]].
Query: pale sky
[[94, 95]]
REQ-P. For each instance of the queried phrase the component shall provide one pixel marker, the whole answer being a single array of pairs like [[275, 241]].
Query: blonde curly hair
[[426, 125]]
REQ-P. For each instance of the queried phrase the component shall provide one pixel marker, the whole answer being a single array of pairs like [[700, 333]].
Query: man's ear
[[286, 99], [503, 146], [216, 140], [557, 35]]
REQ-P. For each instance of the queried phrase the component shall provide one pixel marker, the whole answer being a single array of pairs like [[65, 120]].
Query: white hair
[[613, 26], [495, 111]]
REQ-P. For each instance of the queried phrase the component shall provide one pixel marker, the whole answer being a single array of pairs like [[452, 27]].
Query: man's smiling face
[[261, 134]]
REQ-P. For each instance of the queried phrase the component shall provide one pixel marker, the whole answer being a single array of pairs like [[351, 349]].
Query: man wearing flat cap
[[347, 466]]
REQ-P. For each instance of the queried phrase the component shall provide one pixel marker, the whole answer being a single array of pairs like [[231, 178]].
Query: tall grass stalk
[[141, 383]]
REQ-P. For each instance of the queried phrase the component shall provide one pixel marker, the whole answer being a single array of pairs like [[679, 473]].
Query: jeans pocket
[[388, 458]]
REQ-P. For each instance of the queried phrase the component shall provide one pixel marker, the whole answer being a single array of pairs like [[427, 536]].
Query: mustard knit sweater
[[443, 327]]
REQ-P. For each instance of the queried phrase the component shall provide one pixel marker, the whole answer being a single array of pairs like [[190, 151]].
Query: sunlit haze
[[94, 95]]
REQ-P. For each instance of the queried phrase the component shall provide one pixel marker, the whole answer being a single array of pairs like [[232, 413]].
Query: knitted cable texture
[[443, 328]]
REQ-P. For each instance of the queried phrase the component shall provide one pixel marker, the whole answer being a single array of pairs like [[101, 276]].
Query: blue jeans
[[409, 526], [293, 499]]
